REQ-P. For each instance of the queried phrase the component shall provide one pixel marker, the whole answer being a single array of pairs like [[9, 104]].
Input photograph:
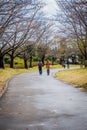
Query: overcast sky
[[50, 8]]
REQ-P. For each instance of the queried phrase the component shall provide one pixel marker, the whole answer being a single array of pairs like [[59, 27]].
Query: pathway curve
[[41, 102]]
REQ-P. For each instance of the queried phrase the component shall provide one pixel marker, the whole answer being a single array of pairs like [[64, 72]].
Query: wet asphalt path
[[34, 102]]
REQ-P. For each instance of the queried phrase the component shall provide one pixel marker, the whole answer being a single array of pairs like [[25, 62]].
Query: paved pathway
[[34, 102]]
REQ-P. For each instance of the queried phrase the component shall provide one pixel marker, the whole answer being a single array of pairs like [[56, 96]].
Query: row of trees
[[25, 31], [73, 16], [21, 28]]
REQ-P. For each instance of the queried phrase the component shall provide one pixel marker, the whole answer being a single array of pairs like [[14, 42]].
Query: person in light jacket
[[48, 67]]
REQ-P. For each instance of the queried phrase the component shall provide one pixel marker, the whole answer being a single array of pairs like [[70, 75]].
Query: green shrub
[[6, 60]]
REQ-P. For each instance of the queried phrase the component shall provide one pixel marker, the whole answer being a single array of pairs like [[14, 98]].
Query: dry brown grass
[[7, 73], [77, 77]]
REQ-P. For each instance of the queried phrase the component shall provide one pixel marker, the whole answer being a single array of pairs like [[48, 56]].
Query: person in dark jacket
[[40, 67]]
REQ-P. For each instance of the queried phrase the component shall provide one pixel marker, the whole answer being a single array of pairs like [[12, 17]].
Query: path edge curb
[[7, 85], [4, 88]]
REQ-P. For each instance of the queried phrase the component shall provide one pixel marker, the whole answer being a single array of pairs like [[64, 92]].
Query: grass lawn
[[7, 73], [77, 77]]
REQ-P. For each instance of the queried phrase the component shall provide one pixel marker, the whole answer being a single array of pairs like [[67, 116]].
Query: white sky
[[50, 8]]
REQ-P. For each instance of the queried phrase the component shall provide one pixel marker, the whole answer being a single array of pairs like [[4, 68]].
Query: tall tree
[[75, 21], [14, 13]]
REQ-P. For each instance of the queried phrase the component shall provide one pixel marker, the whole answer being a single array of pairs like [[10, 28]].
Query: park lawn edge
[[7, 73], [76, 77]]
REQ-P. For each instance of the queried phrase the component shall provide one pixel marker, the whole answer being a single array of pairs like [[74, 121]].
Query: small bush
[[6, 60]]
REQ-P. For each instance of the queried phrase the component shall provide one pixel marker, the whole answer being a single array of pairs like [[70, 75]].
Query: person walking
[[48, 67], [63, 63], [40, 67]]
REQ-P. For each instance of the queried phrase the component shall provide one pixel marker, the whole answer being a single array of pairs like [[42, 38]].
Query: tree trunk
[[43, 60], [85, 63], [30, 62], [12, 62], [25, 64], [53, 59], [1, 61], [85, 60]]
